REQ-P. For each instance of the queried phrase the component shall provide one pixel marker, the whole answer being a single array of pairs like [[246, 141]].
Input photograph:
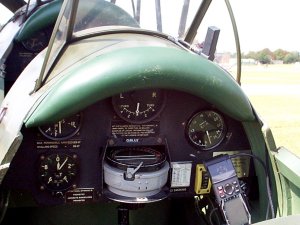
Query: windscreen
[[172, 17], [82, 18]]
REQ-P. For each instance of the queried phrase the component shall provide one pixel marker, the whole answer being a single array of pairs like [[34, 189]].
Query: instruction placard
[[181, 174]]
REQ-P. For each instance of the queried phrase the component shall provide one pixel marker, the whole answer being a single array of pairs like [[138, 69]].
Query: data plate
[[80, 195], [124, 130], [181, 174]]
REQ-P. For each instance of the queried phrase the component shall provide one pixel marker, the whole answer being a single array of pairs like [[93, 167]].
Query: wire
[[269, 195], [199, 212], [196, 204], [4, 203], [210, 216], [214, 209]]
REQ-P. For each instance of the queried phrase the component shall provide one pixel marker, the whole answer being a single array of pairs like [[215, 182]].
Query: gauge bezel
[[42, 174], [158, 110], [67, 136], [220, 139]]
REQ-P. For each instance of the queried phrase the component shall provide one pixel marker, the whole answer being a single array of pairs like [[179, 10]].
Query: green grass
[[279, 107]]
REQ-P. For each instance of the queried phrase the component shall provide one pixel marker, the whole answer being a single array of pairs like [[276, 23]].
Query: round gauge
[[139, 106], [36, 43], [206, 129], [57, 172], [63, 129]]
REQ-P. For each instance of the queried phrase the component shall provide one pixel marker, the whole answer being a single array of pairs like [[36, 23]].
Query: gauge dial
[[206, 129], [139, 106], [63, 129], [36, 43], [57, 172]]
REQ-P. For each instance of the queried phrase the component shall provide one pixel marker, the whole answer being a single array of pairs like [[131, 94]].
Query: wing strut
[[184, 13], [158, 15]]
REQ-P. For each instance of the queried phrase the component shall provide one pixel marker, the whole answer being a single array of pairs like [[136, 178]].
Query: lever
[[130, 173]]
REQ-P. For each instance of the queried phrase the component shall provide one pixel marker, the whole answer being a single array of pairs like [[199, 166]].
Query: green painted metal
[[272, 150], [43, 17], [289, 170], [258, 148], [141, 67], [289, 220]]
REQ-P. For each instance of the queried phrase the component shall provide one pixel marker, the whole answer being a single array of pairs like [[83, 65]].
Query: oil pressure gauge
[[139, 106], [206, 129]]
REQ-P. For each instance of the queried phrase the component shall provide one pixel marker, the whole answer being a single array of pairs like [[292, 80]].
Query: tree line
[[266, 56]]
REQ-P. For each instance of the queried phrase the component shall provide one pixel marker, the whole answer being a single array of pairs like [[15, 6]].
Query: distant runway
[[271, 90], [274, 91]]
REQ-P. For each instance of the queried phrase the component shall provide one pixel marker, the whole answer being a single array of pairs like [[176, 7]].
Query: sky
[[261, 24]]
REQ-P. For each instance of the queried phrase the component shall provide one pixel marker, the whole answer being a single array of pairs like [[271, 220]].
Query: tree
[[265, 56], [291, 57], [251, 55], [279, 54]]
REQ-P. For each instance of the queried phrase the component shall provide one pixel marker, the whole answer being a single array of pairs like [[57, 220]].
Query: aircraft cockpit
[[124, 121]]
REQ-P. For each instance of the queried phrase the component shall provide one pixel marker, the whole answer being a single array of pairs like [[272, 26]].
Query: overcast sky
[[261, 23]]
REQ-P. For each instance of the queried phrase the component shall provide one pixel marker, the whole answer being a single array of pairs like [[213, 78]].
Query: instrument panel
[[163, 133]]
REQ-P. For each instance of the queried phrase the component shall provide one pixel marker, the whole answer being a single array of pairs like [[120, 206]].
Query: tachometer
[[139, 106], [206, 129]]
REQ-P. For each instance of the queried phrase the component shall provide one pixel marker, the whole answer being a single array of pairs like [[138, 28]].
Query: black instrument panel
[[53, 170]]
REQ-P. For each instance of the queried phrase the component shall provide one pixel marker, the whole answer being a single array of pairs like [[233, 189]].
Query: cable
[[269, 195], [4, 203], [214, 209], [196, 204], [210, 216], [199, 212]]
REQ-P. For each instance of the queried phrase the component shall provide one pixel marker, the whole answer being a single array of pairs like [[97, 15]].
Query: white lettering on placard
[[132, 140]]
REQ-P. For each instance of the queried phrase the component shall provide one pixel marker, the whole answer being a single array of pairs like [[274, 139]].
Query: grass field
[[274, 91]]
